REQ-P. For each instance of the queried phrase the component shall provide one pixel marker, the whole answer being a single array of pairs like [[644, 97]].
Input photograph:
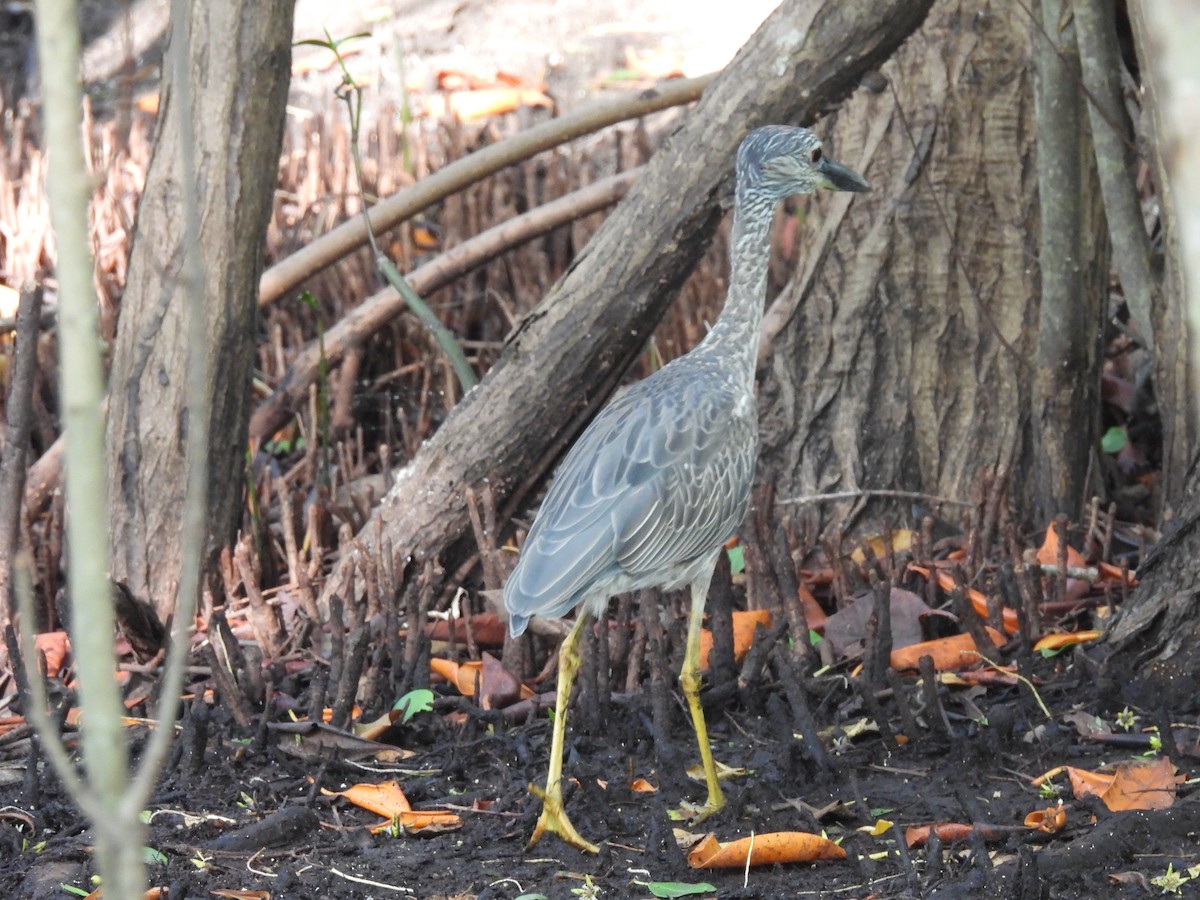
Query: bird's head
[[777, 161]]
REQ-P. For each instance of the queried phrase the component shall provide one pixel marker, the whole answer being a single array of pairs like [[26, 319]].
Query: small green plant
[[1170, 881], [588, 890], [1048, 790], [200, 861], [246, 802], [1156, 745], [1126, 719]]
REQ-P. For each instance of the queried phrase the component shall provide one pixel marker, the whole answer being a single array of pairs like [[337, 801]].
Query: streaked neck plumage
[[734, 337]]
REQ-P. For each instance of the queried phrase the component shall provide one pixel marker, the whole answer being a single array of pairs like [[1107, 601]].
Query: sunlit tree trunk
[[900, 356]]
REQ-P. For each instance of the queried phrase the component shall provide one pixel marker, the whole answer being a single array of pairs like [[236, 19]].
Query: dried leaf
[[763, 850], [956, 652], [947, 832], [1050, 820], [744, 624]]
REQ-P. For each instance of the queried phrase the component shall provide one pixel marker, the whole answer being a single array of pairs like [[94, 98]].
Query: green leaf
[[737, 560], [814, 637], [533, 897], [71, 889], [677, 888], [1115, 439], [414, 702], [154, 857]]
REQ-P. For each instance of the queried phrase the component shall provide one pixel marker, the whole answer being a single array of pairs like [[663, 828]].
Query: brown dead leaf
[[763, 850], [846, 628], [1143, 786]]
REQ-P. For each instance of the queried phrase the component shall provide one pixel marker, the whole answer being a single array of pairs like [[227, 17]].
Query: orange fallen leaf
[[744, 623], [814, 615], [415, 821], [947, 832], [1131, 786], [979, 600], [1050, 820], [1047, 554], [1143, 786], [1109, 572], [1058, 641], [54, 645], [642, 786], [327, 714], [496, 685], [763, 850], [949, 653], [462, 675], [386, 798], [1083, 782]]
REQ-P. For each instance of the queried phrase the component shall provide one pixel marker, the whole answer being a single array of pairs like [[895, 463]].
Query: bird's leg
[[554, 816], [689, 680]]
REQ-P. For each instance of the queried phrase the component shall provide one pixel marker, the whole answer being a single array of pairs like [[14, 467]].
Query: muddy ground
[[974, 766]]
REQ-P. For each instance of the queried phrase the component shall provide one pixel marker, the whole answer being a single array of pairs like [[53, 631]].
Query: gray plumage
[[661, 478]]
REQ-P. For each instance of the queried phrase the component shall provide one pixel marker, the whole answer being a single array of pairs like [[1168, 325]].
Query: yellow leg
[[554, 817], [689, 680]]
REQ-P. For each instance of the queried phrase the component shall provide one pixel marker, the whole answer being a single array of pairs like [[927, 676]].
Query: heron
[[660, 480]]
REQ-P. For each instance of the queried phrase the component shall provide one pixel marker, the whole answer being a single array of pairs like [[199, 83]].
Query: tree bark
[[1156, 29], [897, 358], [1073, 262], [240, 67], [567, 356], [1153, 646]]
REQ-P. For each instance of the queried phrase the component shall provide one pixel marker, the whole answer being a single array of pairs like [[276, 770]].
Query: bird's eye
[[816, 155]]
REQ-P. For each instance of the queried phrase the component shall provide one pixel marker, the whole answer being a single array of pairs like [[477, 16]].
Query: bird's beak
[[837, 177]]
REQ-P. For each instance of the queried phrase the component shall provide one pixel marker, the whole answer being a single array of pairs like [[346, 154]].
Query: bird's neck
[[734, 336]]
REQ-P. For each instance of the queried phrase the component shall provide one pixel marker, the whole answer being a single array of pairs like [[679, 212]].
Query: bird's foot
[[554, 819]]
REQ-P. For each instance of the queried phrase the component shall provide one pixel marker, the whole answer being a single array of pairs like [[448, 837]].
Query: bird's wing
[[658, 479], [701, 448]]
